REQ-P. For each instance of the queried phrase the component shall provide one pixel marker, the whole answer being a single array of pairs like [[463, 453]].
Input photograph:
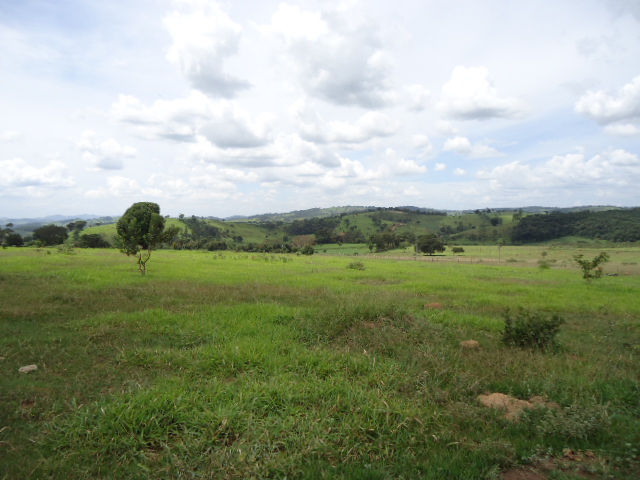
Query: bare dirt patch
[[511, 405]]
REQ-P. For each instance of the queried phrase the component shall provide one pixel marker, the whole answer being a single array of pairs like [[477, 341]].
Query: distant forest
[[613, 225]]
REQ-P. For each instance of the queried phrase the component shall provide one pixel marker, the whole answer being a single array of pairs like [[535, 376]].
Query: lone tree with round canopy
[[141, 230], [430, 244]]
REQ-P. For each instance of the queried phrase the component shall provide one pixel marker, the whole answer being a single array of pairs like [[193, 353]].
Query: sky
[[244, 107]]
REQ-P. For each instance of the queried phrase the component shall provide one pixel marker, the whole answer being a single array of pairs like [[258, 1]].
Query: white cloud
[[222, 121], [416, 97], [203, 38], [611, 169], [17, 174], [285, 150], [605, 107], [106, 155], [470, 95], [423, 144], [440, 167], [464, 146], [168, 119], [229, 127], [405, 166], [446, 128], [623, 130], [367, 127], [338, 56], [459, 172]]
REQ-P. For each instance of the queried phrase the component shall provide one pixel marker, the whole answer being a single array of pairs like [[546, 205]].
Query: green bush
[[356, 266], [570, 423], [591, 269], [530, 329]]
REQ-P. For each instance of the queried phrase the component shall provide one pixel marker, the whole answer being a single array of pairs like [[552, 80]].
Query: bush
[[530, 329], [570, 423], [457, 250], [307, 250], [356, 266], [591, 269], [93, 240]]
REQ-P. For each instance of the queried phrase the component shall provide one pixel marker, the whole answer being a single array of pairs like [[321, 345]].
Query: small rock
[[28, 368], [470, 344]]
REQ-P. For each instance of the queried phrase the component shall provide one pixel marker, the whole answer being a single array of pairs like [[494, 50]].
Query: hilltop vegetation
[[612, 225], [379, 229]]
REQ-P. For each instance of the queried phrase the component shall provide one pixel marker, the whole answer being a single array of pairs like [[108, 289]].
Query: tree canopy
[[430, 244], [50, 235], [142, 228]]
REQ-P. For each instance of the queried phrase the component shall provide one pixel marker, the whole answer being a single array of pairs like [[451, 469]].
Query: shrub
[[457, 250], [356, 266], [591, 269], [530, 329], [570, 423]]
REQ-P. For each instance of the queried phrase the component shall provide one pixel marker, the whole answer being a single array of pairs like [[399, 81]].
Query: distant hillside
[[621, 225], [377, 227], [302, 214]]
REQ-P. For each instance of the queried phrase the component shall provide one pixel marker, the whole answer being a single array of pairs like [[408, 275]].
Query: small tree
[[500, 244], [76, 227], [430, 244], [141, 228], [591, 269]]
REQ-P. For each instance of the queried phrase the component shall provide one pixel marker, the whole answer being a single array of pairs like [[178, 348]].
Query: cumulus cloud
[[368, 126], [605, 107], [422, 143], [623, 130], [285, 150], [106, 155], [169, 119], [204, 36], [395, 165], [464, 146], [446, 128], [440, 167], [612, 169], [338, 56], [16, 176], [416, 97], [470, 95], [222, 121], [229, 127]]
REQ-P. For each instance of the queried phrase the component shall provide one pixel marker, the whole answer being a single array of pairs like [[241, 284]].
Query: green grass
[[225, 365]]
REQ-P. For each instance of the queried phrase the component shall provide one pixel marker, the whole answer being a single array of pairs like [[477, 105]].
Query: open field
[[229, 365]]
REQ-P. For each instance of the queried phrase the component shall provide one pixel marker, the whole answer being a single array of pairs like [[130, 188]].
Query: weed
[[530, 329]]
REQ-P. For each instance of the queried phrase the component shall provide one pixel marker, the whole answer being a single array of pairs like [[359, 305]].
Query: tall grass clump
[[530, 329]]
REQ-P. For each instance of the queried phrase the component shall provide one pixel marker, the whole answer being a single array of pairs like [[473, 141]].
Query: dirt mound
[[512, 406]]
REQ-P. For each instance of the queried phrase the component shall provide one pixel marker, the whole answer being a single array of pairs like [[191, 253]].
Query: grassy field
[[225, 365]]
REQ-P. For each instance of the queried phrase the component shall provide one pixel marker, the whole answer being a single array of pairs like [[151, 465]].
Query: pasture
[[233, 365]]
